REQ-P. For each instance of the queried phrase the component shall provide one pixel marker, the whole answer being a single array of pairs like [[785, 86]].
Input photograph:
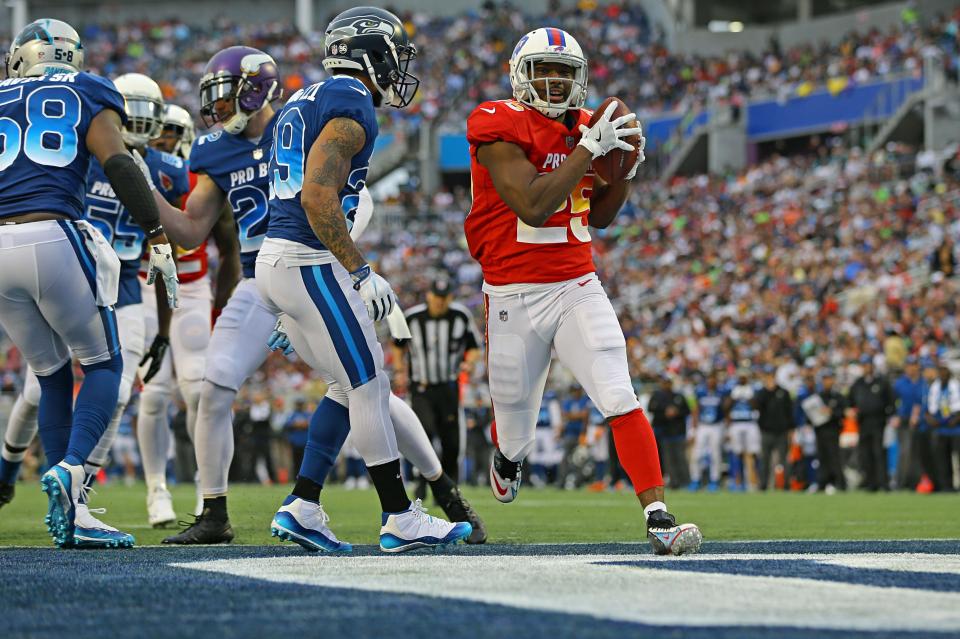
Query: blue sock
[[329, 427], [736, 468], [55, 412], [96, 403], [356, 467], [9, 471]]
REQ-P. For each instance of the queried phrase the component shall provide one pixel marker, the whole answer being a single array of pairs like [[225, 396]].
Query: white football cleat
[[305, 523], [667, 538], [414, 528], [160, 511], [505, 490]]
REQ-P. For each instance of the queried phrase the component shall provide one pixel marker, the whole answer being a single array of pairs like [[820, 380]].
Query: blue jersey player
[[226, 91], [710, 414], [143, 103], [310, 271], [58, 275], [237, 89]]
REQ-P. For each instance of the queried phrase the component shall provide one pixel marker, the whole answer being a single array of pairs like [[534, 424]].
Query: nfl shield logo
[[503, 316], [257, 154], [571, 141]]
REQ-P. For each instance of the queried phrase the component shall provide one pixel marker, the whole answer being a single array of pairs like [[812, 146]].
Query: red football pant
[[637, 450]]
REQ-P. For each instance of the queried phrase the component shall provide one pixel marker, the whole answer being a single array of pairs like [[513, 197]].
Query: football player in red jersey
[[534, 197]]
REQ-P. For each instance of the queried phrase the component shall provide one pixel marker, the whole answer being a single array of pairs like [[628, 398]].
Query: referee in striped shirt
[[444, 342]]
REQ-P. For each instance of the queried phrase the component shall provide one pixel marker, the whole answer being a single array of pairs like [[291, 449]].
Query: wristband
[[360, 274]]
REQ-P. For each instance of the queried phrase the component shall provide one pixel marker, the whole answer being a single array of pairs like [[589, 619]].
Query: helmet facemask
[[144, 120], [525, 76], [401, 85], [233, 90]]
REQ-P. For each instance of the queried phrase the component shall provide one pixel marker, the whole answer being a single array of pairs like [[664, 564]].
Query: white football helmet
[[42, 47], [143, 102], [176, 117], [548, 45]]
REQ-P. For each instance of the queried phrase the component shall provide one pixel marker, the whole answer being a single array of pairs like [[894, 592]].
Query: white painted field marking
[[581, 584]]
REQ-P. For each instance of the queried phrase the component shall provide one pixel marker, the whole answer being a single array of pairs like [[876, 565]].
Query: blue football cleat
[[90, 532], [62, 485], [713, 487], [694, 486], [305, 523], [414, 528]]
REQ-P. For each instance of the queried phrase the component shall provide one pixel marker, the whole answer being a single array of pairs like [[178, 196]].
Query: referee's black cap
[[441, 287]]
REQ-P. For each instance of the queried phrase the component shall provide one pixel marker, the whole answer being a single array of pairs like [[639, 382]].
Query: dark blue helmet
[[375, 42]]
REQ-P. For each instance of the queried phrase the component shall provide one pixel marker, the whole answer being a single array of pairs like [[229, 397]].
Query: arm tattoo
[[342, 138]]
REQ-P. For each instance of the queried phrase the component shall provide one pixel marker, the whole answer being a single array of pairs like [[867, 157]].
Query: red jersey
[[509, 250], [192, 264]]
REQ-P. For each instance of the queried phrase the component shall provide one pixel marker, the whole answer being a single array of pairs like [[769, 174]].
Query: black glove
[[155, 356]]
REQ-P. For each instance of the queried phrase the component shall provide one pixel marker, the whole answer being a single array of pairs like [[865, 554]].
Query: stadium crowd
[[463, 58]]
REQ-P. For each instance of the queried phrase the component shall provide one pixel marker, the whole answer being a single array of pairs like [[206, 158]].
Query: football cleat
[[667, 538], [505, 490], [305, 522], [414, 528], [204, 530], [457, 508], [6, 492], [160, 512], [90, 532], [62, 484]]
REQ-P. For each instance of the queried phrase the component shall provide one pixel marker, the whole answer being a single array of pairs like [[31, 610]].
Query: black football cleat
[[204, 530], [6, 493], [457, 508], [667, 538]]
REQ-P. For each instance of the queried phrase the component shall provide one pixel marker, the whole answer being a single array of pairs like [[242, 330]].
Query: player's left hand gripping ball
[[161, 262], [375, 291], [278, 339]]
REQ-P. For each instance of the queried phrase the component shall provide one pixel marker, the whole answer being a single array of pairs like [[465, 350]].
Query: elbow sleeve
[[133, 192]]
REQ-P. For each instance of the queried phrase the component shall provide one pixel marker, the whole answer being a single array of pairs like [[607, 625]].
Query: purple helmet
[[244, 76]]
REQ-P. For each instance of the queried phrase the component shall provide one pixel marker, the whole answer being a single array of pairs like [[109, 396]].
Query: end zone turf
[[743, 590]]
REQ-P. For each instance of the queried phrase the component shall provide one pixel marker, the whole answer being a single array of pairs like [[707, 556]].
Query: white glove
[[375, 291], [161, 262], [640, 158], [605, 136], [138, 159]]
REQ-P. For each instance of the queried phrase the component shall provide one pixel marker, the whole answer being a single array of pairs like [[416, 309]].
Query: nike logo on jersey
[[359, 90], [493, 110], [583, 283]]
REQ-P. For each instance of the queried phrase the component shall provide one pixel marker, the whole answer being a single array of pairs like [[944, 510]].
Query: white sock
[[21, 429], [412, 440], [153, 432], [649, 508], [213, 438]]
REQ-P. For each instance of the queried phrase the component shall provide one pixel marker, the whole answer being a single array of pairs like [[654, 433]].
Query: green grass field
[[540, 516]]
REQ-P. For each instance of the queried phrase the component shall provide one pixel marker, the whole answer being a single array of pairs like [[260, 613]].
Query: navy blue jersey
[[105, 211], [238, 166], [44, 156], [297, 128]]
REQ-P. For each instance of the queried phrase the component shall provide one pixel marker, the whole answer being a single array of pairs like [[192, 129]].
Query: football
[[615, 165]]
